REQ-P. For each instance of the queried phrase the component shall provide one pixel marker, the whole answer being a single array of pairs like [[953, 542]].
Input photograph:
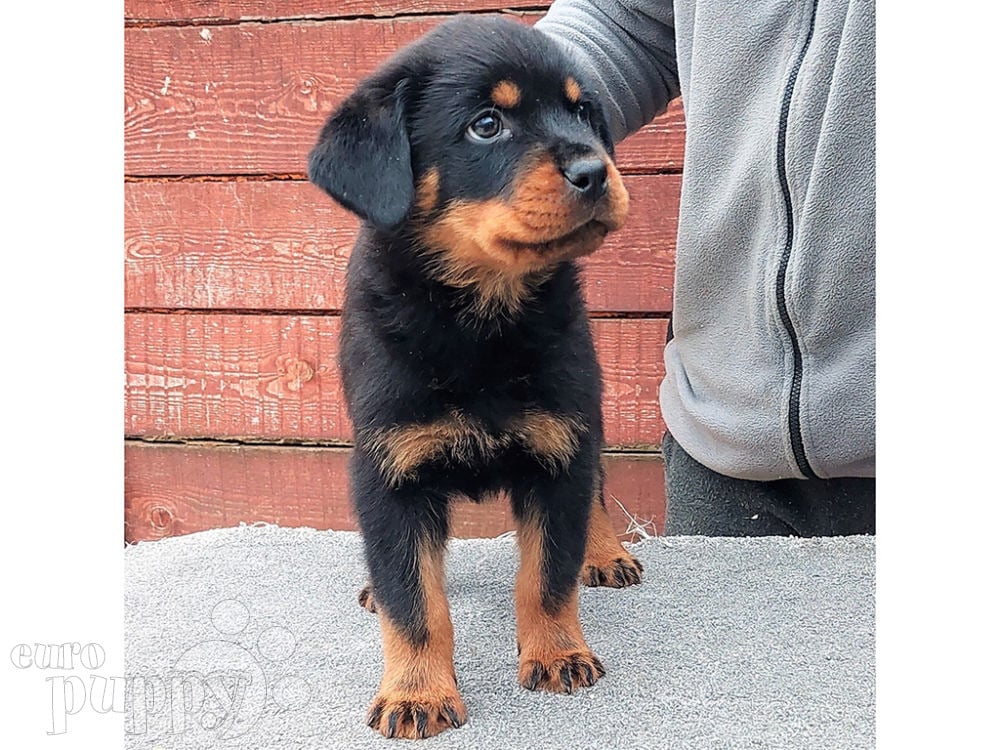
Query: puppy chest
[[460, 439]]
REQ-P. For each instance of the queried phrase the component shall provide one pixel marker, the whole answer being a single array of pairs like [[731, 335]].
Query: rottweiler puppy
[[481, 163]]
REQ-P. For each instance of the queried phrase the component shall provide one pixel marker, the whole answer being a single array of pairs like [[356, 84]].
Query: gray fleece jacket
[[771, 371]]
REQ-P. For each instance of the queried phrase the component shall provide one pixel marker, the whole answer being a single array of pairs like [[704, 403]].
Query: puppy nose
[[588, 175]]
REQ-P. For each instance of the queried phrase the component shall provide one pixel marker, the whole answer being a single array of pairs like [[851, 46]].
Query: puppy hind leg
[[606, 562]]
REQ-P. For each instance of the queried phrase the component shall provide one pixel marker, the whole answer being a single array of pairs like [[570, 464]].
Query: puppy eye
[[486, 127], [582, 112]]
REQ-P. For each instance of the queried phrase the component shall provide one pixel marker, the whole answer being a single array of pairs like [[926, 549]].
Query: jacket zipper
[[795, 397]]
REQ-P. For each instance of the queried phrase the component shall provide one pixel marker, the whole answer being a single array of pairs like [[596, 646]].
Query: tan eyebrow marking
[[427, 191], [506, 94], [403, 449], [572, 90]]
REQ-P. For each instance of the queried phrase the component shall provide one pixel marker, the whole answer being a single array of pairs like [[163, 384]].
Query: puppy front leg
[[551, 517], [405, 532]]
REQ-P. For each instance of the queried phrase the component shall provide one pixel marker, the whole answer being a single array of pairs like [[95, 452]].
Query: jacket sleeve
[[628, 46]]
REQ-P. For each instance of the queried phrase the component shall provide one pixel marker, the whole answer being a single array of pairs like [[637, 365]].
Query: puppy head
[[484, 142]]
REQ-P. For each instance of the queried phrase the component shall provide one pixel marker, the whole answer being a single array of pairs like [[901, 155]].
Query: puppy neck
[[490, 292], [476, 298]]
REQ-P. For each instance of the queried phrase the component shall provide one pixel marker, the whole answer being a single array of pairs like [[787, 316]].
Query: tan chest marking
[[399, 451], [552, 438]]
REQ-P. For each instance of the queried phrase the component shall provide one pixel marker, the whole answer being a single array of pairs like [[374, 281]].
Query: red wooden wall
[[234, 267]]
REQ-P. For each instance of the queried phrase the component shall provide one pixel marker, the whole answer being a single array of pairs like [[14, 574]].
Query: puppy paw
[[366, 598], [562, 672], [616, 573], [415, 715]]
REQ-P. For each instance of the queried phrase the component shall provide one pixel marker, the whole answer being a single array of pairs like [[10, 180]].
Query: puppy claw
[[420, 720], [588, 674], [375, 714], [601, 671], [453, 717], [566, 678], [535, 678], [366, 598]]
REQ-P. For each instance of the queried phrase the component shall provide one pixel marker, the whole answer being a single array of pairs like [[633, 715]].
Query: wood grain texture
[[178, 489], [251, 98], [275, 377], [217, 11], [284, 246]]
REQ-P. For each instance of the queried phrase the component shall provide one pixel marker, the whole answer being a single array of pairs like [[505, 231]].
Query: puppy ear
[[362, 157]]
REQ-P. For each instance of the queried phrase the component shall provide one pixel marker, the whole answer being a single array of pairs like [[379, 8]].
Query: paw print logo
[[222, 686]]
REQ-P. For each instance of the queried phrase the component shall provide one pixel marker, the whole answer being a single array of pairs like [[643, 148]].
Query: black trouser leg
[[702, 502]]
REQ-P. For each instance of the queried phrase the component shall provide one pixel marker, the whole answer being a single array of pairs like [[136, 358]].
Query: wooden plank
[[275, 377], [178, 489], [220, 11], [631, 357], [658, 147], [284, 246], [251, 98]]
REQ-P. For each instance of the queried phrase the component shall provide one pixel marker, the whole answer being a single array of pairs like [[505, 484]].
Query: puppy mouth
[[584, 239]]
